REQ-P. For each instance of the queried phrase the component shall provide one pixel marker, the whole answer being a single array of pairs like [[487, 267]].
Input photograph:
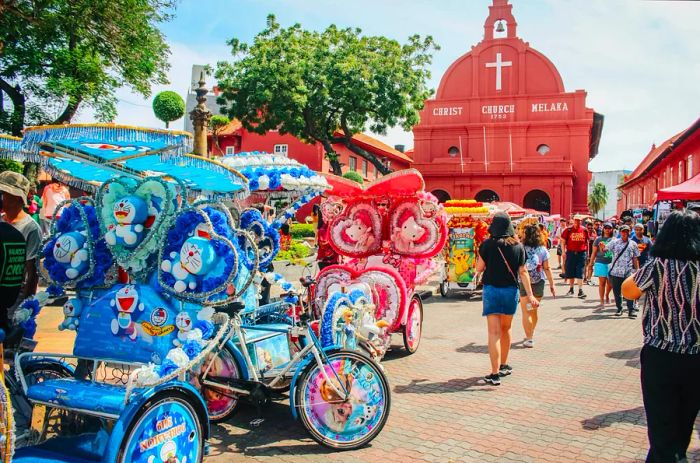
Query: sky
[[638, 60]]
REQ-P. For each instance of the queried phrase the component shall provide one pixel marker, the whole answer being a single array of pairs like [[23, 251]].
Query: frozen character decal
[[126, 302], [196, 258], [70, 250], [130, 215], [358, 231], [71, 313]]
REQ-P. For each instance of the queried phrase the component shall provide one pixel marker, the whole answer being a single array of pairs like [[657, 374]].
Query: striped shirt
[[672, 301]]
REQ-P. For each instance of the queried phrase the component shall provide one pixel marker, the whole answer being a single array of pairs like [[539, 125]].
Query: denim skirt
[[500, 301]]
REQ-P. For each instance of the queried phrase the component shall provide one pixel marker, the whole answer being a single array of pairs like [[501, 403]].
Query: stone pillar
[[200, 117]]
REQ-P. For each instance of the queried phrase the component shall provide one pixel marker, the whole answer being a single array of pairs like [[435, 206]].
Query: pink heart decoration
[[358, 231], [413, 233], [388, 289]]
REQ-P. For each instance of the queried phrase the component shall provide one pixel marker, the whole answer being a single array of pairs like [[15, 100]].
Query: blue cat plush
[[70, 250], [130, 213], [197, 257]]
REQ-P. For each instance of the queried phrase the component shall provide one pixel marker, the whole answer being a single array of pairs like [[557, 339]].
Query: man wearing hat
[[576, 244], [15, 189]]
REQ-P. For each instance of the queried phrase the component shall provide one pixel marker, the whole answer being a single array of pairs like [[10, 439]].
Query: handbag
[[515, 279]]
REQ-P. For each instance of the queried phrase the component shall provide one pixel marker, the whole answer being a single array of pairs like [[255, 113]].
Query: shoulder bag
[[515, 279]]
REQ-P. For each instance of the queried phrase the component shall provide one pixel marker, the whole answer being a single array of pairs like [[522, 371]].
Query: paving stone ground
[[574, 397]]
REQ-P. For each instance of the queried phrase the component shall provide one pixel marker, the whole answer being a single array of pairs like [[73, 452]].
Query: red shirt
[[576, 238]]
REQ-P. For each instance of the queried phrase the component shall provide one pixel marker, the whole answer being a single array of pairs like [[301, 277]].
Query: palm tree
[[598, 198]]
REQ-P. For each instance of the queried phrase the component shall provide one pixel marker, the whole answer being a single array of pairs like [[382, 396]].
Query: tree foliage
[[598, 198], [326, 86], [8, 164], [216, 124], [59, 55], [354, 176], [168, 106]]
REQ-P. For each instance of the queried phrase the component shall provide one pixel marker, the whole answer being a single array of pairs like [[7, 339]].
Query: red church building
[[671, 163], [502, 127]]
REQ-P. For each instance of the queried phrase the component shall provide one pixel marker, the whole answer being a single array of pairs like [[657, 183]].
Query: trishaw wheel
[[444, 288], [166, 428], [334, 421], [221, 404], [414, 325]]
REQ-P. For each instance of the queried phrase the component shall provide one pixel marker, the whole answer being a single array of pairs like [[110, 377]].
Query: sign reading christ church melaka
[[501, 111]]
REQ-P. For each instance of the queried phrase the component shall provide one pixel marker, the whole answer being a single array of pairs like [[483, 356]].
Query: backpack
[[533, 265]]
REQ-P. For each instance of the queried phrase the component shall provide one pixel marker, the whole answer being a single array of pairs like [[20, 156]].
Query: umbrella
[[86, 155]]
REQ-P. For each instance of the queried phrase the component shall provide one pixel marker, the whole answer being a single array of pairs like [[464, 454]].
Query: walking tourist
[[12, 262], [576, 244], [600, 262], [625, 260], [325, 255], [560, 249], [53, 194], [15, 190], [643, 243], [592, 236], [670, 357], [502, 259], [537, 264]]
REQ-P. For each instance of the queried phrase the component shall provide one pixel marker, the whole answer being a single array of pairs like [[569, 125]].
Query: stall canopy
[[688, 190]]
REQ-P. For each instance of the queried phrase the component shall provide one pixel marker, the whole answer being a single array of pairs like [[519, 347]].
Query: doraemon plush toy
[[183, 322], [196, 258], [126, 301], [70, 250], [130, 213], [71, 311]]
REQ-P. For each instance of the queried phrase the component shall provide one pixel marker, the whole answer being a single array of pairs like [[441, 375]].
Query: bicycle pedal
[[257, 422]]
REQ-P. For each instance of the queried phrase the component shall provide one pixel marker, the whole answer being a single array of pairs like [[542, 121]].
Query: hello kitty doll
[[360, 232], [197, 257], [130, 214], [71, 311], [183, 322], [407, 235], [126, 301], [70, 250]]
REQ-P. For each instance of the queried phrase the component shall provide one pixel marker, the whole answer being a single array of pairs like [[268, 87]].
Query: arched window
[[453, 151], [537, 200], [689, 166], [680, 172], [487, 196], [543, 149], [441, 195]]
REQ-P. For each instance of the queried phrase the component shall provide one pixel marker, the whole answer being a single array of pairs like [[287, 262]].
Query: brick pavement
[[574, 397]]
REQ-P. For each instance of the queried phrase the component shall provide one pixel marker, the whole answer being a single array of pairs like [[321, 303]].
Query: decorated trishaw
[[388, 233], [162, 284], [467, 229]]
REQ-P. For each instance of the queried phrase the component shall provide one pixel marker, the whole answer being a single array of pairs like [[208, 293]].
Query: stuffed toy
[[197, 257], [183, 322], [407, 235], [70, 249], [126, 301], [130, 213], [71, 311]]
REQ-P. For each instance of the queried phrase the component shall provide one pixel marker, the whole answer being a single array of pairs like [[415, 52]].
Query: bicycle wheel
[[221, 403], [337, 423], [414, 325]]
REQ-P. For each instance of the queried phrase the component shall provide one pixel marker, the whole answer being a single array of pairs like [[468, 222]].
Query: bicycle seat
[[307, 281], [232, 309]]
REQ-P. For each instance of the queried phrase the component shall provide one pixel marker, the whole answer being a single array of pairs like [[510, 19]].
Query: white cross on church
[[499, 65]]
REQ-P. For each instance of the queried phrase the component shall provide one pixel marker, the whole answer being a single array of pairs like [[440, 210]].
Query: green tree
[[57, 56], [326, 86], [354, 176], [8, 164], [598, 198], [216, 124], [168, 106]]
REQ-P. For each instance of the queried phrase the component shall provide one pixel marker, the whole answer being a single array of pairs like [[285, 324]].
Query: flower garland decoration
[[79, 216], [479, 226], [185, 225], [466, 207], [267, 238], [268, 172]]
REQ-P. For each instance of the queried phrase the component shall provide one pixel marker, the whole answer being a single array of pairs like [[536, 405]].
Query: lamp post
[[200, 117]]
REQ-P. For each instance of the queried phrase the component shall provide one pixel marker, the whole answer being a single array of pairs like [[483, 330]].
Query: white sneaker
[[528, 343]]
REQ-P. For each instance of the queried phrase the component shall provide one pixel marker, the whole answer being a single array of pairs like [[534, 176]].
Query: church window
[[543, 149], [453, 151], [230, 150], [281, 149], [352, 163]]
